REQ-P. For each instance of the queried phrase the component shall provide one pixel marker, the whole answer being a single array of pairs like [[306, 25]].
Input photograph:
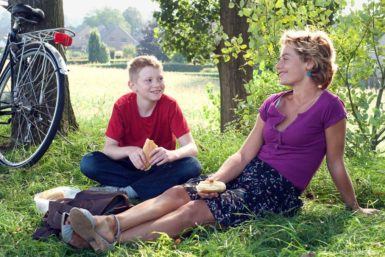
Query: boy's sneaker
[[109, 189]]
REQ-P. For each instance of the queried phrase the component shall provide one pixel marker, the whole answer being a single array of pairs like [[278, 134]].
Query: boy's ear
[[131, 85]]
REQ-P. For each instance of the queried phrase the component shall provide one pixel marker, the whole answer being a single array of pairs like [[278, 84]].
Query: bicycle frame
[[16, 44], [32, 88]]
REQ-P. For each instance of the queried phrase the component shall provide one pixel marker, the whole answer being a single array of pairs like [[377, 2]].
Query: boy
[[144, 113]]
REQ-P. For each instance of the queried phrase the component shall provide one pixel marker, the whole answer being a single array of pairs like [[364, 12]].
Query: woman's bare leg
[[189, 215], [149, 210]]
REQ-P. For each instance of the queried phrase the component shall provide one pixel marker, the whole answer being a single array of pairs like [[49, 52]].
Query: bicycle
[[32, 73]]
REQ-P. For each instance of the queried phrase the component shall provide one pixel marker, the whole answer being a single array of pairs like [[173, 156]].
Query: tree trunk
[[232, 74], [54, 17]]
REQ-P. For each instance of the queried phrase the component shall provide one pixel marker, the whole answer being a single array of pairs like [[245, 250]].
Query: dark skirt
[[257, 191]]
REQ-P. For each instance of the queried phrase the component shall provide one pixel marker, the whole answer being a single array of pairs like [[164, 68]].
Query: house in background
[[114, 37]]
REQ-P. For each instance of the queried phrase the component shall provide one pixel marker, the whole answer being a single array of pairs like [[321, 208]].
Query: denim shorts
[[257, 191]]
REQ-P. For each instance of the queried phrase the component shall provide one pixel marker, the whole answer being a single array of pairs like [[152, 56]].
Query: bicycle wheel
[[31, 107]]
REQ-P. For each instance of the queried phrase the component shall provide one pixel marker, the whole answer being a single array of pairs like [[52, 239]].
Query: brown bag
[[98, 203]]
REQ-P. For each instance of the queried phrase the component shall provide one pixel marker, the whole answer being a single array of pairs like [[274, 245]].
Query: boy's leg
[[99, 167], [160, 178]]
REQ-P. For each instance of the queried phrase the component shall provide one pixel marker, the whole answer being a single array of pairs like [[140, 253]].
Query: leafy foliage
[[187, 26], [107, 17], [362, 75], [97, 50]]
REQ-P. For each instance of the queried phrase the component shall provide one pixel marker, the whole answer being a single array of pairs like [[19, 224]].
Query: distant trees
[[97, 50], [107, 17], [149, 44], [134, 18], [130, 19]]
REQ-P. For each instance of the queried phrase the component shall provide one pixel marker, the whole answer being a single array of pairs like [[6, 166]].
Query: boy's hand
[[137, 157], [161, 156]]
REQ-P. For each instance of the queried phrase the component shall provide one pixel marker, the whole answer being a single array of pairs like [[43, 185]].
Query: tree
[[107, 17], [134, 18], [233, 32], [93, 46], [362, 75], [54, 17], [199, 28], [104, 55], [149, 44], [97, 50]]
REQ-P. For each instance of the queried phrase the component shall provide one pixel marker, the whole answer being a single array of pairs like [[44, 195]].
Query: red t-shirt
[[164, 125]]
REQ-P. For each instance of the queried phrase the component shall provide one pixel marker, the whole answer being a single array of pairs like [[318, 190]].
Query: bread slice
[[208, 186], [52, 194], [148, 147]]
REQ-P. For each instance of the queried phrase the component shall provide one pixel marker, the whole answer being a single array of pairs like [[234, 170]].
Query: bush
[[263, 84]]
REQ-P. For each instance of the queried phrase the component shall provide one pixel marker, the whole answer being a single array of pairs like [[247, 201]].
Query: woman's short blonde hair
[[317, 47], [139, 62]]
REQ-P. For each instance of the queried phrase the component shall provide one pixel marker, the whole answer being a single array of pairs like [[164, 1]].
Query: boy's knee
[[89, 163], [192, 167]]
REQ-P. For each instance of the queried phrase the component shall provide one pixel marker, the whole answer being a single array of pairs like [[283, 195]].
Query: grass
[[323, 226]]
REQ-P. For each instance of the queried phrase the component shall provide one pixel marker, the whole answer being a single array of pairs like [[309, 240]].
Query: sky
[[75, 10]]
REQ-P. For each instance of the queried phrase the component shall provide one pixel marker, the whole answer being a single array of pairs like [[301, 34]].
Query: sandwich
[[148, 147], [211, 186]]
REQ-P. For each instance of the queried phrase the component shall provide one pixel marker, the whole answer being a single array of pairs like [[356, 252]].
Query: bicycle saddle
[[27, 13]]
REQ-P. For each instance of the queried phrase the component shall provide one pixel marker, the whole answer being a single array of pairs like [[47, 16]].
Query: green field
[[323, 228]]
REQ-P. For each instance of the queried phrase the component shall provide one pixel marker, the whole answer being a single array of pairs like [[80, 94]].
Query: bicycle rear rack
[[58, 35]]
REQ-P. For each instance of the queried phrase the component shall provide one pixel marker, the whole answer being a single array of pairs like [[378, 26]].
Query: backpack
[[98, 203]]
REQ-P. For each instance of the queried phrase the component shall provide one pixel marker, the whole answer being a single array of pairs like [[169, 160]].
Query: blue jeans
[[147, 184]]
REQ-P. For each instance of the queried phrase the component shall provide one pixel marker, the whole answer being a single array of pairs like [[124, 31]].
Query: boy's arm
[[116, 152], [187, 147]]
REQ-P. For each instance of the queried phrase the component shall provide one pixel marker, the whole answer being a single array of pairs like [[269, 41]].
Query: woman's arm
[[234, 165], [187, 148], [335, 146]]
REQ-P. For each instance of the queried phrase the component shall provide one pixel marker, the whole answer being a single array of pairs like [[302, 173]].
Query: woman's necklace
[[306, 105]]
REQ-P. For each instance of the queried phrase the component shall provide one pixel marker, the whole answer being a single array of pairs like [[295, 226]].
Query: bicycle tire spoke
[[35, 107]]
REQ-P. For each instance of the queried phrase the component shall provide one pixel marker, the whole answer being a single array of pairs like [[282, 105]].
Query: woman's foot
[[98, 231], [108, 227], [70, 236]]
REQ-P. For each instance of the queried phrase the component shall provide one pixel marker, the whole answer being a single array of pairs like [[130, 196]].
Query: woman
[[293, 133]]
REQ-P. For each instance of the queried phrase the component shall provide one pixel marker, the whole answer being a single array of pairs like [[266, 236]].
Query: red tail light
[[62, 38]]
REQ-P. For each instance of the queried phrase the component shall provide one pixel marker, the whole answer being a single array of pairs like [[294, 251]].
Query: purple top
[[297, 152]]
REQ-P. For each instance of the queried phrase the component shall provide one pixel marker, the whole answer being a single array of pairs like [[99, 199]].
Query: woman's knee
[[177, 194], [196, 213]]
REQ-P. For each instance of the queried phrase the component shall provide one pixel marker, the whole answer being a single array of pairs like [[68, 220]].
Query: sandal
[[83, 224], [66, 229]]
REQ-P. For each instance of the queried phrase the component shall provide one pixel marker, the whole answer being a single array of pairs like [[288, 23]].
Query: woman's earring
[[320, 86], [308, 73]]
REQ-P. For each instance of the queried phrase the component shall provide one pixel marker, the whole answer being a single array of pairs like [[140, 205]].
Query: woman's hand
[[207, 195]]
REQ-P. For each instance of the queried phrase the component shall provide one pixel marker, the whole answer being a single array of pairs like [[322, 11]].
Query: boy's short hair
[[139, 62]]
